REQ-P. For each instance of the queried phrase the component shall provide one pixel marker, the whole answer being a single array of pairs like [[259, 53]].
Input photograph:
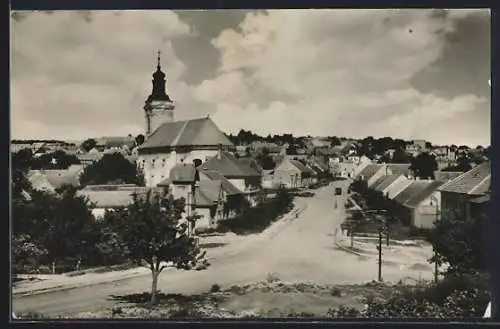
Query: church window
[[153, 163]]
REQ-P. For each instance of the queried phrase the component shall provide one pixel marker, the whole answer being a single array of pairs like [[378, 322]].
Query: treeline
[[49, 141]]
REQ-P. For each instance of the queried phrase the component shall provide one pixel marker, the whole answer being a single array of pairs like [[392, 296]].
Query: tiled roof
[[446, 175], [378, 182], [183, 173], [113, 196], [207, 193], [195, 132], [399, 168], [301, 167], [411, 190], [229, 166], [369, 171], [228, 187], [473, 182], [416, 199], [387, 181]]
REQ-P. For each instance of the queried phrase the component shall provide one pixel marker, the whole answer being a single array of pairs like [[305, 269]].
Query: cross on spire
[[159, 53]]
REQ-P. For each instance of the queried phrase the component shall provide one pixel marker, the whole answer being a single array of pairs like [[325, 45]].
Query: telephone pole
[[379, 247], [436, 262]]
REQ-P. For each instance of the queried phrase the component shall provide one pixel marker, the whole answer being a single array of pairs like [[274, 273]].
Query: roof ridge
[[476, 168], [479, 184], [176, 139]]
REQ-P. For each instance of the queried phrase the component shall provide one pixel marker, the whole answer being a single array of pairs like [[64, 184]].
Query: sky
[[412, 74]]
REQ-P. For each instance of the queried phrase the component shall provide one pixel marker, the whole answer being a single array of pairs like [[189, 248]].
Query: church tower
[[159, 108]]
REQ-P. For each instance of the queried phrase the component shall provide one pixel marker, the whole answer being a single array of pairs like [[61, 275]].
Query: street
[[302, 250]]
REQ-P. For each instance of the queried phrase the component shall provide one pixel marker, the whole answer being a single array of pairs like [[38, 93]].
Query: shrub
[[456, 296], [215, 288]]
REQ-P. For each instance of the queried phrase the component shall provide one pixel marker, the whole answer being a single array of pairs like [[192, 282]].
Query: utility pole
[[379, 247], [387, 233], [436, 261]]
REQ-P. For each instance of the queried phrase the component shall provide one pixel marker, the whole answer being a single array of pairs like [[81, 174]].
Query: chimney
[[219, 151]]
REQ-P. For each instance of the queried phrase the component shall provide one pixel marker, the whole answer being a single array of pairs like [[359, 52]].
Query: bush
[[256, 219], [215, 288], [456, 296]]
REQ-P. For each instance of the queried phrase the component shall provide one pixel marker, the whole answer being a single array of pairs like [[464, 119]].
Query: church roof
[[195, 132]]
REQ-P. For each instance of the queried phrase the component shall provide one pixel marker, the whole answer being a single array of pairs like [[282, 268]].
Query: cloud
[[318, 72], [347, 72], [74, 73]]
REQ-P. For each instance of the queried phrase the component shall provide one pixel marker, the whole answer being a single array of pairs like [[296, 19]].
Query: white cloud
[[347, 70], [318, 72]]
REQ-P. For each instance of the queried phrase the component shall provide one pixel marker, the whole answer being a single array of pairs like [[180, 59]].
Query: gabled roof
[[195, 132], [416, 199], [399, 168], [183, 173], [446, 175], [482, 199], [411, 190], [229, 166], [228, 187], [387, 181], [369, 171], [207, 193], [113, 196], [378, 182], [473, 182], [301, 166]]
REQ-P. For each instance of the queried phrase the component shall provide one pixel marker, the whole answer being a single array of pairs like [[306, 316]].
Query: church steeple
[[159, 108], [158, 93]]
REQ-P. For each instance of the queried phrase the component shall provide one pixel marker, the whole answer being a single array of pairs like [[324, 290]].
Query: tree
[[88, 144], [156, 236], [400, 156], [292, 150], [21, 163], [26, 254], [265, 160], [463, 163], [335, 141], [112, 169], [458, 241], [139, 140], [424, 165]]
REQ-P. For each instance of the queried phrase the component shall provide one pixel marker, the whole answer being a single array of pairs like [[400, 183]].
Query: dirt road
[[303, 250]]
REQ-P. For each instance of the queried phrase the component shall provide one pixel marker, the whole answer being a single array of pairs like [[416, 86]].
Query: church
[[169, 142]]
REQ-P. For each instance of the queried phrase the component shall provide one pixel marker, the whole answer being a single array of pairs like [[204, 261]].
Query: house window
[[163, 162], [153, 163]]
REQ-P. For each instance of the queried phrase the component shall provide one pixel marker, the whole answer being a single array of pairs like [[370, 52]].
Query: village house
[[292, 174], [209, 196], [112, 197], [169, 142], [394, 185], [457, 194], [422, 208], [405, 213], [371, 173], [50, 180], [242, 176]]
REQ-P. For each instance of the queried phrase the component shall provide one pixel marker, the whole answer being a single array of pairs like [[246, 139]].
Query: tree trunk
[[154, 286]]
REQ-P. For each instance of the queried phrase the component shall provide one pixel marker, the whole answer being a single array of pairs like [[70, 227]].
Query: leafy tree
[[20, 163], [463, 163], [292, 150], [335, 141], [112, 169], [66, 228], [424, 165], [88, 144], [139, 139], [265, 160], [26, 254], [400, 156], [428, 145], [458, 241], [156, 236]]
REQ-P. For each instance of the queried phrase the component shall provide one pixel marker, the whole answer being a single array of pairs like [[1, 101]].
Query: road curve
[[301, 251]]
